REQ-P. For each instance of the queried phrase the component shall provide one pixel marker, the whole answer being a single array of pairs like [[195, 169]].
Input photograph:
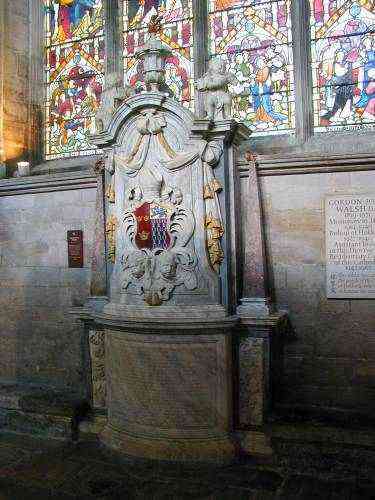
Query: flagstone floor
[[33, 469]]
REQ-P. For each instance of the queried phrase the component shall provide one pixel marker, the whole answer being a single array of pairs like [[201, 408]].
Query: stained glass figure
[[74, 74], [255, 39], [343, 63], [176, 33]]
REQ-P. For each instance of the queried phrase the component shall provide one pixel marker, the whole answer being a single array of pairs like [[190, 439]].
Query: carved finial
[[99, 166], [154, 54], [154, 26]]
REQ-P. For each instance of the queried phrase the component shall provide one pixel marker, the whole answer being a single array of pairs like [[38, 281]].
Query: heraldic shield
[[153, 220]]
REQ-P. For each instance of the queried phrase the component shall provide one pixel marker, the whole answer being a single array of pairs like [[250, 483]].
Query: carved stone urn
[[153, 54]]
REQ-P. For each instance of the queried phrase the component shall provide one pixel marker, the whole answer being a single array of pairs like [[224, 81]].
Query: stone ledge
[[191, 319], [262, 441], [309, 164], [47, 183], [40, 411], [36, 424]]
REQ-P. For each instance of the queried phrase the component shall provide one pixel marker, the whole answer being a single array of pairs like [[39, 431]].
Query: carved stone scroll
[[97, 354]]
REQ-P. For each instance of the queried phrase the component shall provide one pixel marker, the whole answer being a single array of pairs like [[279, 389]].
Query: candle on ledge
[[23, 168]]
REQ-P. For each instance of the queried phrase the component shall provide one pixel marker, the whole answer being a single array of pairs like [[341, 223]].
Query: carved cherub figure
[[214, 83], [114, 94]]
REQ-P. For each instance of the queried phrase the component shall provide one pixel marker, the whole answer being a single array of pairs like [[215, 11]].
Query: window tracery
[[343, 63], [255, 39], [74, 58]]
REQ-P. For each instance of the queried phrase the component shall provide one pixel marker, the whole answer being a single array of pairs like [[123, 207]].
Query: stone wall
[[330, 364], [15, 79], [40, 342]]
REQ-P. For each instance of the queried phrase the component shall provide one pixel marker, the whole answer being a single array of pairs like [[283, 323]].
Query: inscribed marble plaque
[[350, 246]]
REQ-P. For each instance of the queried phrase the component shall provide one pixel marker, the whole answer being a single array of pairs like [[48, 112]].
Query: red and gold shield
[[152, 226]]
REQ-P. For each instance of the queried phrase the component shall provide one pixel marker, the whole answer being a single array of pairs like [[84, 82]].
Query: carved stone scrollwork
[[158, 229], [156, 226], [97, 354]]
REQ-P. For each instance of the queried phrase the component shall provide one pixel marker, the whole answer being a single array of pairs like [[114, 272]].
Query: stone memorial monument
[[165, 270]]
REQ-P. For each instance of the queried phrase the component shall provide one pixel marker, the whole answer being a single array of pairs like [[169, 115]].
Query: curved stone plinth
[[215, 450], [169, 390]]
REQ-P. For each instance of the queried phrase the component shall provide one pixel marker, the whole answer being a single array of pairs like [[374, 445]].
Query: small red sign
[[75, 248]]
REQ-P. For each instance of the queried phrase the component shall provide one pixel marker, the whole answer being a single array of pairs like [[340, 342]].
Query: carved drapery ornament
[[110, 192], [111, 228], [157, 226], [210, 154], [213, 219]]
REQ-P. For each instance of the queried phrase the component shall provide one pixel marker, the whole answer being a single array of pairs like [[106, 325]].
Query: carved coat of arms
[[157, 225], [152, 226]]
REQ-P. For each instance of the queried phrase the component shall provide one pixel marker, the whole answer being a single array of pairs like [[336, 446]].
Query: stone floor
[[35, 469]]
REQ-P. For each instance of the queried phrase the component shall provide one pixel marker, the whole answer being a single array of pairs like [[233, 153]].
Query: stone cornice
[[47, 183], [293, 165], [166, 323]]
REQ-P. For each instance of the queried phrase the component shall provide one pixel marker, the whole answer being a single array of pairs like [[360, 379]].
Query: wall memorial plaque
[[75, 248], [350, 246]]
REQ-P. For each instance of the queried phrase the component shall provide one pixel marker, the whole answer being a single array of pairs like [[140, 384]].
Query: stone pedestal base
[[169, 388], [257, 443], [259, 363], [215, 450]]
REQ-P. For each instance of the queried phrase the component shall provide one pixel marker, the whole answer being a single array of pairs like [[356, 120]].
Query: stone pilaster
[[36, 89], [98, 287], [259, 347], [230, 134], [113, 37], [255, 300], [200, 26]]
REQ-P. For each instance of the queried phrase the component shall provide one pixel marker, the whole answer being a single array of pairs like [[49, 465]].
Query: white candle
[[23, 168]]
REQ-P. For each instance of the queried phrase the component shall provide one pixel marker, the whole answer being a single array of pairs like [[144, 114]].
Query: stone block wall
[[15, 79], [39, 341], [330, 363]]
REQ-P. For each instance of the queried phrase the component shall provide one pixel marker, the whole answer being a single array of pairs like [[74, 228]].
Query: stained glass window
[[255, 39], [177, 34], [74, 74], [343, 63]]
